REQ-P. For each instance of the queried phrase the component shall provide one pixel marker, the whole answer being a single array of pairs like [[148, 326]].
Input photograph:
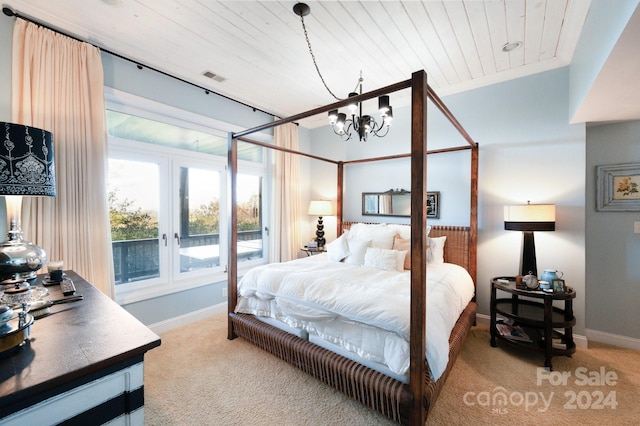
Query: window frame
[[172, 159]]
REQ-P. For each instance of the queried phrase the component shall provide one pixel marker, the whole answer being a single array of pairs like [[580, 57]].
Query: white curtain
[[385, 204], [57, 85], [286, 207]]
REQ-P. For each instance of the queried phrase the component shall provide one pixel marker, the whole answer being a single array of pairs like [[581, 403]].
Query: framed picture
[[558, 285], [433, 205], [618, 187]]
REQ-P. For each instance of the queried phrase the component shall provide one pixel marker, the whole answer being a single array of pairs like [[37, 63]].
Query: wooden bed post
[[473, 219], [394, 399], [232, 226], [339, 199], [418, 246]]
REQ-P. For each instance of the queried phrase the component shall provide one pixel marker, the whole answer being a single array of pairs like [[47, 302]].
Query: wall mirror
[[397, 202], [390, 203]]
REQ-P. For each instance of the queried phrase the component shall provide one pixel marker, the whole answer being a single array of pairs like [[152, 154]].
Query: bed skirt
[[379, 392]]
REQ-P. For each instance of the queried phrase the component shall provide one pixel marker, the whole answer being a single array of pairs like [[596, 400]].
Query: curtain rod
[[10, 12]]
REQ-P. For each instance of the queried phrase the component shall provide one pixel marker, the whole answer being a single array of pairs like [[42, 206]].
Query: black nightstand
[[547, 328]]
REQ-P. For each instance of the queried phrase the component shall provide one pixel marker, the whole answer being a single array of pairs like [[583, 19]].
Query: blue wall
[[612, 267]]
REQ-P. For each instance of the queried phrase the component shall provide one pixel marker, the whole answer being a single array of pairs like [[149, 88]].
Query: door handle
[[177, 237], [164, 237]]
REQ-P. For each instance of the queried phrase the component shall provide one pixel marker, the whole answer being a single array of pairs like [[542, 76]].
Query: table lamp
[[320, 208], [529, 218], [26, 169]]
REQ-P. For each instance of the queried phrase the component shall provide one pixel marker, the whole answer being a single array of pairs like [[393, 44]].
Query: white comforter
[[315, 289]]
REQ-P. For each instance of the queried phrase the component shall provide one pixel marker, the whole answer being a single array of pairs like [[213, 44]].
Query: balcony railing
[[136, 260]]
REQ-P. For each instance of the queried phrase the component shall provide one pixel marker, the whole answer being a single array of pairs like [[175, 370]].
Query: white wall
[[528, 151], [601, 31]]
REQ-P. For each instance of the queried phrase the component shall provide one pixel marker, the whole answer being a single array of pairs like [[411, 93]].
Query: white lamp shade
[[530, 217], [320, 208]]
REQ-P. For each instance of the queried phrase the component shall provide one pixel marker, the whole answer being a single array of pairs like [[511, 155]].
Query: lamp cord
[[313, 57]]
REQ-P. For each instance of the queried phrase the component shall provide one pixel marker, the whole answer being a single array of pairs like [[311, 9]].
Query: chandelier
[[363, 125]]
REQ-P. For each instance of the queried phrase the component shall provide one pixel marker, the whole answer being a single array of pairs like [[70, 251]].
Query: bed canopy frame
[[420, 93]]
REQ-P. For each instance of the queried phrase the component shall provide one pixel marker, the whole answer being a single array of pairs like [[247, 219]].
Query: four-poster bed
[[409, 402]]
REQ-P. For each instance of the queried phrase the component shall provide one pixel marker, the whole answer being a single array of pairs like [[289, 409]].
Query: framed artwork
[[433, 205], [558, 285], [618, 187]]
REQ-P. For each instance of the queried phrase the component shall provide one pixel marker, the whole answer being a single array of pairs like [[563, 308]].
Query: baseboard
[[580, 340], [179, 321], [614, 339], [481, 319]]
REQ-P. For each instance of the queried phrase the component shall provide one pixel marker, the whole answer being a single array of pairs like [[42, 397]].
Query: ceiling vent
[[214, 76]]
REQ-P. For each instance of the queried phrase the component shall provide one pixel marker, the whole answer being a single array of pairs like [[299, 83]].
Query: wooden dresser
[[83, 364]]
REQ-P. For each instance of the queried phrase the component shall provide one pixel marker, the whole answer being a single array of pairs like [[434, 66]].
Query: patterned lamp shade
[[26, 161], [26, 168]]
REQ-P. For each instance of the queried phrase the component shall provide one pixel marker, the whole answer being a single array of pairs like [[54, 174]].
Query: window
[[134, 212], [167, 188]]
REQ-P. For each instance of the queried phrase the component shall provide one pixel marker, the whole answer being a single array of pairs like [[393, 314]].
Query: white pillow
[[338, 248], [435, 252], [380, 235], [357, 250], [404, 230], [401, 255], [384, 259]]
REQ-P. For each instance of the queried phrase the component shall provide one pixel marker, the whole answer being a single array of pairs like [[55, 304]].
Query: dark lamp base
[[529, 264], [320, 233]]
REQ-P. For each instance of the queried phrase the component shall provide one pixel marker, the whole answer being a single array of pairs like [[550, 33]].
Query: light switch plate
[[636, 227]]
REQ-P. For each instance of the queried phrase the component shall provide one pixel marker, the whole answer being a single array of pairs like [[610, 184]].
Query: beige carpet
[[198, 377]]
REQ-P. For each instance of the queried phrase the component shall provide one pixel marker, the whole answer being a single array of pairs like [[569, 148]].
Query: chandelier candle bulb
[[333, 116], [388, 117], [352, 107]]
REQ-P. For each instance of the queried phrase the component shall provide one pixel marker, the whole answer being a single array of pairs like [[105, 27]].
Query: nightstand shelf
[[548, 327], [313, 250]]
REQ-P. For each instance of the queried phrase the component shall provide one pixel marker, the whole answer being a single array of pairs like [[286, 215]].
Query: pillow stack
[[382, 246]]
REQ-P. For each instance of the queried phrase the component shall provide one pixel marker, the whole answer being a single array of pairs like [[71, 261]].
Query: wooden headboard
[[456, 248]]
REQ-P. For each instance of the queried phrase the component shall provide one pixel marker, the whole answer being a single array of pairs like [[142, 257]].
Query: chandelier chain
[[363, 125], [313, 57]]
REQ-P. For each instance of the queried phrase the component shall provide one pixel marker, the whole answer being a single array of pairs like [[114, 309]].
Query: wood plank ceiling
[[258, 48]]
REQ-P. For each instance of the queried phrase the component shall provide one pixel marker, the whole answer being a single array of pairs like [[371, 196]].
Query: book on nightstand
[[514, 332]]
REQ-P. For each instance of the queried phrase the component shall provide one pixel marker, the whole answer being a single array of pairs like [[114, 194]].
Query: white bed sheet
[[362, 310]]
